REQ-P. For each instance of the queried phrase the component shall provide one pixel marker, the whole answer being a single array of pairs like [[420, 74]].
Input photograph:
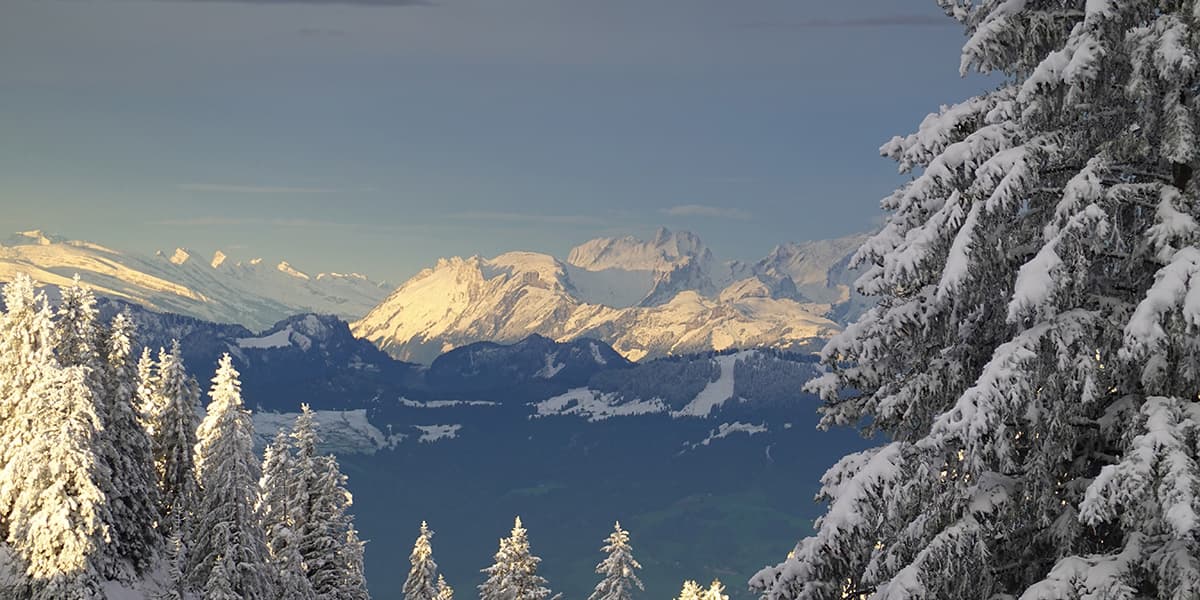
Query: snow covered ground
[[725, 430], [595, 406], [341, 431], [716, 392], [433, 433]]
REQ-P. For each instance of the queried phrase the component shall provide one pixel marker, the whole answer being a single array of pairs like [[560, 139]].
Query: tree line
[[513, 573], [109, 475]]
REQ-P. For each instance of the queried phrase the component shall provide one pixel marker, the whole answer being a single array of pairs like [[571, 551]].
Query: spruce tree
[[26, 354], [59, 520], [1033, 359], [172, 401], [715, 591], [444, 591], [513, 575], [134, 494], [422, 576], [319, 508], [78, 338], [323, 531], [691, 591], [276, 489], [354, 579], [219, 585], [54, 510], [228, 531], [177, 580], [619, 568], [147, 385]]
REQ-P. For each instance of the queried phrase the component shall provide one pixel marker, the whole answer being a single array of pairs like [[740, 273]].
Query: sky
[[377, 135]]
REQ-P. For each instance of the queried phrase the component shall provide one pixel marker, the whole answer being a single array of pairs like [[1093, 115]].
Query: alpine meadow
[[634, 312]]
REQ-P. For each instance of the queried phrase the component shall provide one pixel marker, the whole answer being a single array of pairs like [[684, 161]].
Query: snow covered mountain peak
[[665, 252], [217, 290], [287, 269], [180, 256], [35, 236]]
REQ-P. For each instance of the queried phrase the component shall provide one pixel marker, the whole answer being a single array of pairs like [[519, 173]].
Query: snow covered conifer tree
[[513, 576], [422, 576], [172, 402], [58, 518], [77, 332], [354, 579], [53, 507], [619, 568], [323, 531], [1034, 358], [177, 579], [715, 591], [691, 591], [444, 591], [328, 543], [228, 531], [276, 489], [218, 586], [26, 354], [134, 494], [147, 384]]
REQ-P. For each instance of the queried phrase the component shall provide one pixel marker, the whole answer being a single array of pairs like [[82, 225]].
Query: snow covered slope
[[252, 293], [645, 298]]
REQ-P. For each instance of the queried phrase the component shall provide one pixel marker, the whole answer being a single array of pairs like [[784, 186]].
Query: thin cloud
[[704, 210], [862, 22], [222, 188], [278, 222], [515, 217], [377, 3]]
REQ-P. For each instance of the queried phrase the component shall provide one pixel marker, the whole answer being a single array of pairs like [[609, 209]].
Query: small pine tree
[[229, 532], [444, 591], [715, 591], [513, 575], [177, 580], [218, 586], [354, 579], [618, 568], [691, 591], [422, 577], [147, 385]]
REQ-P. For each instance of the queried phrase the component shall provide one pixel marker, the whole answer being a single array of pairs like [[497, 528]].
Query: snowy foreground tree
[[619, 568], [1034, 358], [513, 576]]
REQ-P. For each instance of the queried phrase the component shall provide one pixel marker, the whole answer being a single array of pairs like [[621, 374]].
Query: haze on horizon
[[377, 135]]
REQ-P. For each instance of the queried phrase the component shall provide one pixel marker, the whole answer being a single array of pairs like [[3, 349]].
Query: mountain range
[[660, 297], [646, 298]]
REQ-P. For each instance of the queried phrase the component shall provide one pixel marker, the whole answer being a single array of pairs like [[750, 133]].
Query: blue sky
[[348, 136]]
